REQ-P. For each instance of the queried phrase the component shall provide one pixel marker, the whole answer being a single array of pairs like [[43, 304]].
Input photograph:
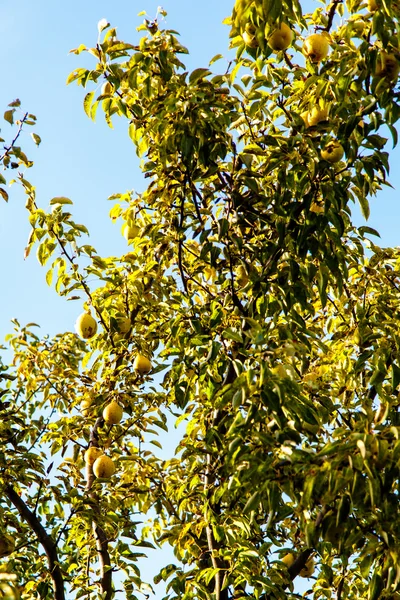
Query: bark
[[50, 547]]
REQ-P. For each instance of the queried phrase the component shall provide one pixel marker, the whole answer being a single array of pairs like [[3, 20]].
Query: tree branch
[[331, 13], [47, 542], [99, 534], [11, 146]]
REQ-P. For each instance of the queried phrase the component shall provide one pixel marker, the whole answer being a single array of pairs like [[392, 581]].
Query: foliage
[[269, 317]]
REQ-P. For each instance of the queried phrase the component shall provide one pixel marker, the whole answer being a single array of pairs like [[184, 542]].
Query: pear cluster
[[279, 40]]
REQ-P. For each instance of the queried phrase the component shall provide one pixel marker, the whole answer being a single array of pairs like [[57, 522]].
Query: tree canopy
[[247, 308]]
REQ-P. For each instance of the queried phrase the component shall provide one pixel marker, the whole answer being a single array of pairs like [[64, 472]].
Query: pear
[[112, 414], [86, 326], [281, 38], [92, 454], [103, 467], [316, 47], [333, 152], [141, 364]]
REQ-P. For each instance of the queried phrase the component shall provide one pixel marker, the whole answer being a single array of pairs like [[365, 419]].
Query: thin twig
[[11, 146]]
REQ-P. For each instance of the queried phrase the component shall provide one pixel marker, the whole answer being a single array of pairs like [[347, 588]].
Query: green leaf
[[9, 116], [215, 58], [87, 103], [252, 503], [231, 334], [49, 277], [60, 200], [4, 194], [36, 138], [364, 205], [395, 376]]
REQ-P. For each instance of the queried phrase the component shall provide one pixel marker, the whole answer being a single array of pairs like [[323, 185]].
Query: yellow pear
[[130, 232], [357, 27], [372, 5], [86, 326], [280, 38], [141, 364], [316, 115], [316, 47], [288, 559], [87, 404], [308, 569], [333, 152], [242, 278], [387, 66], [7, 545], [92, 454], [103, 466], [112, 414], [124, 324]]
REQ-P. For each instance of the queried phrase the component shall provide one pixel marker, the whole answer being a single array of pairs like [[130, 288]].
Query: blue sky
[[87, 161]]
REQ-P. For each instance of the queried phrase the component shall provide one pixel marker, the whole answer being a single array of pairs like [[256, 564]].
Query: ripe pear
[[288, 559], [316, 47], [308, 569], [280, 38], [103, 466], [92, 454], [112, 414], [241, 277], [372, 5], [86, 326], [333, 152], [387, 66], [130, 232], [87, 404], [124, 324], [357, 27], [141, 364], [316, 115], [7, 545]]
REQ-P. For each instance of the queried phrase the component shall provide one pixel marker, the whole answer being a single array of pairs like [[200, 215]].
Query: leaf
[[4, 194], [198, 74], [215, 58], [252, 503], [87, 103], [363, 230], [395, 376], [364, 205], [231, 334], [60, 200], [36, 138], [49, 277], [102, 24], [9, 116]]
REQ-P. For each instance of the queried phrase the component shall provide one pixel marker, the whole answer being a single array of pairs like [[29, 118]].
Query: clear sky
[[87, 161]]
